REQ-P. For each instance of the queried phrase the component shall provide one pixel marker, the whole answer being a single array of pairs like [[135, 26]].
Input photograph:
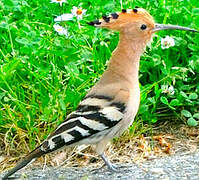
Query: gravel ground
[[176, 167]]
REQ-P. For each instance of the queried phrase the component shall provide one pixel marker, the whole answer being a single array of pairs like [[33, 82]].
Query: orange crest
[[137, 22]]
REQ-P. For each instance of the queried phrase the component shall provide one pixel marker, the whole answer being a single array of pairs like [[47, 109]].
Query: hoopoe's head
[[135, 23]]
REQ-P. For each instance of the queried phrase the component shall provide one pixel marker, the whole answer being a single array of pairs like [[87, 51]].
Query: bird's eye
[[143, 27]]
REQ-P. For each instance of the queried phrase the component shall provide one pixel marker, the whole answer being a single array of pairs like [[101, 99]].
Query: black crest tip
[[124, 10], [106, 18], [135, 10], [97, 22], [93, 23], [114, 15]]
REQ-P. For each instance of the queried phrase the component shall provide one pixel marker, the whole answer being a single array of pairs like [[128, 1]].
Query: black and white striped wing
[[95, 114]]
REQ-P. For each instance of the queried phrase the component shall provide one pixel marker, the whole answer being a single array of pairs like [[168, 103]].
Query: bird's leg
[[111, 166]]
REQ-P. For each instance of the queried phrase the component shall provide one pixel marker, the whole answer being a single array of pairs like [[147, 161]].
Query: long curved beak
[[159, 27]]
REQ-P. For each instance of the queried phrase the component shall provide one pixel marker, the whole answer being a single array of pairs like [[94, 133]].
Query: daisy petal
[[58, 1], [64, 17], [60, 30], [78, 12]]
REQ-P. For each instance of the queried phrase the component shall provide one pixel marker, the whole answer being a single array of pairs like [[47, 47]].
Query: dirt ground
[[163, 140]]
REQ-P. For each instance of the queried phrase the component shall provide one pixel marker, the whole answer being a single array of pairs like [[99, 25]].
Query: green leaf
[[4, 25], [193, 47], [192, 122], [2, 95], [180, 41], [143, 108], [196, 115], [174, 102], [157, 92], [193, 96], [154, 120], [195, 11], [109, 6], [156, 59], [183, 94], [22, 41], [164, 100], [152, 100], [6, 99], [171, 107], [72, 68], [186, 113], [62, 104]]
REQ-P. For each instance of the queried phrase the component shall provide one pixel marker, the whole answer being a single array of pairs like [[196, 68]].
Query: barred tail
[[34, 154]]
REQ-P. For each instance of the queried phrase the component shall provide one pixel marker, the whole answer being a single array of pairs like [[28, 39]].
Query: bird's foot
[[111, 166]]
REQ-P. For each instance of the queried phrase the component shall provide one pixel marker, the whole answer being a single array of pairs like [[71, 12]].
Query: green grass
[[43, 75]]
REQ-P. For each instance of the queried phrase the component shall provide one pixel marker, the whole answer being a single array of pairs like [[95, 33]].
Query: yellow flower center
[[166, 43], [79, 11], [59, 0]]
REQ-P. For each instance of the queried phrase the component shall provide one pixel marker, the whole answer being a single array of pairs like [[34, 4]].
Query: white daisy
[[168, 89], [78, 12], [61, 30], [171, 90], [64, 17], [58, 1], [167, 42]]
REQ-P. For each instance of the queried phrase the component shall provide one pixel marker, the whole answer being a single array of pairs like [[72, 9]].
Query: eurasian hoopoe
[[111, 105]]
